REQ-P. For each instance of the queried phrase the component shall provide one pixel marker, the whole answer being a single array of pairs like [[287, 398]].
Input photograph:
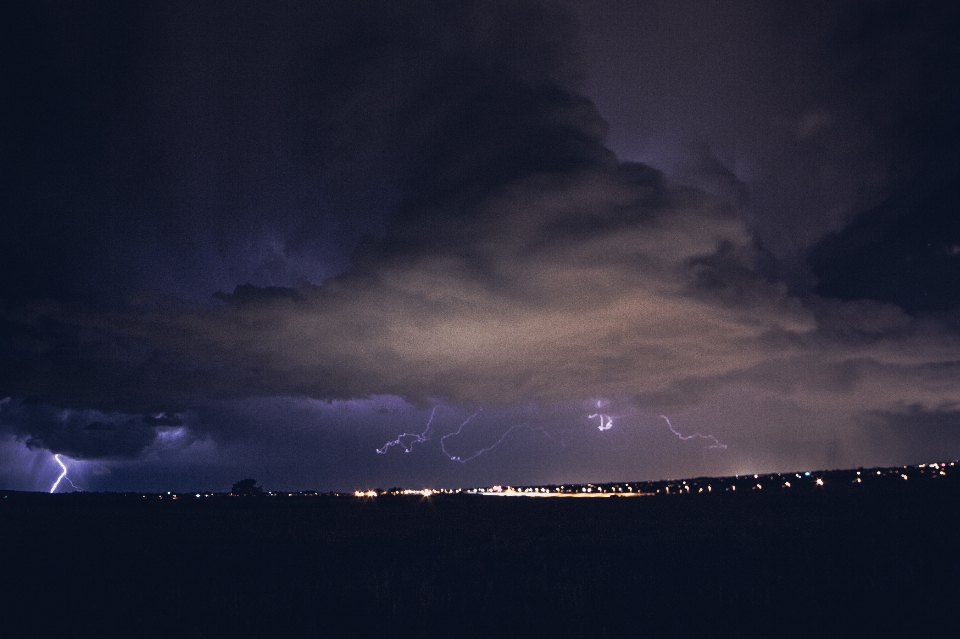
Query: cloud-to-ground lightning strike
[[606, 421], [63, 475], [417, 438], [716, 443]]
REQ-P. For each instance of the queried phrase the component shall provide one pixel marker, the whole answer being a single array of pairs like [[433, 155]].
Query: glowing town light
[[716, 443], [63, 475]]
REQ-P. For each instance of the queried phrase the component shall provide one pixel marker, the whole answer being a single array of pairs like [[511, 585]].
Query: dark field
[[883, 560]]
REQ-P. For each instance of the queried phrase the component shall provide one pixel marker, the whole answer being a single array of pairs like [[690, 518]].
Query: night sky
[[266, 240]]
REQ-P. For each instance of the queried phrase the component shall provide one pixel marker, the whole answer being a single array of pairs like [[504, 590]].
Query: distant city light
[[836, 479]]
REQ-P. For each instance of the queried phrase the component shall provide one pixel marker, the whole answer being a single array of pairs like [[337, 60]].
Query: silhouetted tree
[[246, 487]]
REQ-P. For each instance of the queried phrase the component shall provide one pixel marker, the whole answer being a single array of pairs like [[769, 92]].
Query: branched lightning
[[63, 475], [606, 423], [407, 443], [462, 460], [716, 443], [456, 458], [502, 439], [417, 438]]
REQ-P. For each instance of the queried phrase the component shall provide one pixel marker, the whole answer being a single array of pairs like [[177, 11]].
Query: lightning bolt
[[606, 422], [63, 475], [417, 438], [502, 439], [456, 458], [716, 443]]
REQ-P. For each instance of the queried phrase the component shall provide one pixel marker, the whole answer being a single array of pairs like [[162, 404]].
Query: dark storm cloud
[[78, 433], [829, 112], [550, 289], [181, 148], [900, 78], [753, 84], [593, 283], [500, 254], [190, 147]]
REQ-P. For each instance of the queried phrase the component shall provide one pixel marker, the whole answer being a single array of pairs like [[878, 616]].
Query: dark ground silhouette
[[763, 563]]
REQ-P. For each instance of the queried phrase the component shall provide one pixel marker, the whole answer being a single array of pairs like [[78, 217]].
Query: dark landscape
[[817, 559]]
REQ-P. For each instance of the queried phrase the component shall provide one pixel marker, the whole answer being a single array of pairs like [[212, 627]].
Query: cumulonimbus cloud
[[520, 262], [553, 289]]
